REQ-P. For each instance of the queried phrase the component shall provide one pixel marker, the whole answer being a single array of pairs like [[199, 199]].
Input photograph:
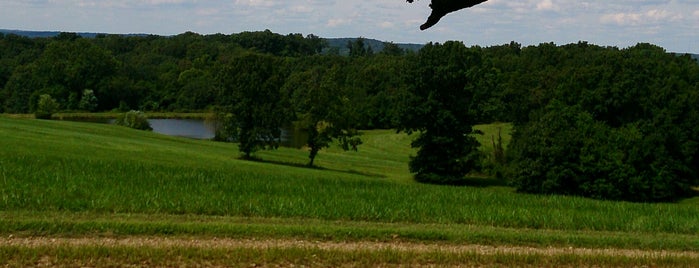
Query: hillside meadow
[[80, 180]]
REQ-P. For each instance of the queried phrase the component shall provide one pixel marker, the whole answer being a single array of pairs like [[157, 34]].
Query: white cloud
[[641, 18], [335, 22], [545, 5], [130, 4], [301, 9], [256, 3], [208, 12], [386, 24]]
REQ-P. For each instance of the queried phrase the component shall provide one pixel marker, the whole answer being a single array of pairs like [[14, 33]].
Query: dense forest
[[596, 121]]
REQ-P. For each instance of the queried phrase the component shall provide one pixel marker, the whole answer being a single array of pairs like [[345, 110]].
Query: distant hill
[[376, 45], [48, 34], [694, 56], [339, 43]]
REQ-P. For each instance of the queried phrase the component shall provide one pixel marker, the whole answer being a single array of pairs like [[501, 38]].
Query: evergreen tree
[[439, 110]]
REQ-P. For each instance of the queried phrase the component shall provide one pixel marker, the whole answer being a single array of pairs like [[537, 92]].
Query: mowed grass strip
[[294, 253], [50, 166], [68, 225]]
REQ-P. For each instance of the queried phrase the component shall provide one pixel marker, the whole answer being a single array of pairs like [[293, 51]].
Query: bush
[[45, 107], [133, 119], [89, 101]]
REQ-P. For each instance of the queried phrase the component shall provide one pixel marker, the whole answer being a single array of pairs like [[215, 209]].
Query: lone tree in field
[[254, 111], [439, 110], [323, 110]]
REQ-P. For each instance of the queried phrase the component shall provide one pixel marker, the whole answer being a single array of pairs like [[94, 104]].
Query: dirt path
[[166, 242]]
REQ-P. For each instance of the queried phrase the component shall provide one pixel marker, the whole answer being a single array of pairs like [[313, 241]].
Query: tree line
[[588, 120]]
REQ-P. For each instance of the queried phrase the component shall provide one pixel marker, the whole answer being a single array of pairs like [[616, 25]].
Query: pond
[[188, 128], [206, 130], [203, 129]]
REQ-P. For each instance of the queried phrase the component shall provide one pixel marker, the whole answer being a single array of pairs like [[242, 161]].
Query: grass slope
[[66, 178]]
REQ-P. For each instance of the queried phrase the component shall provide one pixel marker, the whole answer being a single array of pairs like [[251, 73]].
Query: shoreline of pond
[[205, 129], [114, 115]]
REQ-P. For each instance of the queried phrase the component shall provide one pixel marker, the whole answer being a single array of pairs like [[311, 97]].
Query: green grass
[[69, 224], [60, 178], [113, 115], [78, 116], [490, 135]]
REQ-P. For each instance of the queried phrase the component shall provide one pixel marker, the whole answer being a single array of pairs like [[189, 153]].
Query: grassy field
[[79, 116], [79, 180]]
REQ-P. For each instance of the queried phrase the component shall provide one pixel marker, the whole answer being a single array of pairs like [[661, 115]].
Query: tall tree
[[358, 48], [439, 110], [322, 108], [196, 90], [254, 111], [21, 88]]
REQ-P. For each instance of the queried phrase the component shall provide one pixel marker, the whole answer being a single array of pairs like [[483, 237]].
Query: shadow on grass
[[695, 192], [473, 180], [299, 165], [483, 182]]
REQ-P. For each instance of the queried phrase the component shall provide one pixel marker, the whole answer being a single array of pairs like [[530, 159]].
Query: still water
[[189, 128], [206, 129]]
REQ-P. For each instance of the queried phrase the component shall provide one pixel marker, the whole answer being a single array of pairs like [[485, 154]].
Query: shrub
[[133, 119], [45, 107], [89, 101]]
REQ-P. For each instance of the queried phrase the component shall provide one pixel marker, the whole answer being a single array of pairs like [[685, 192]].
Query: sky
[[671, 24]]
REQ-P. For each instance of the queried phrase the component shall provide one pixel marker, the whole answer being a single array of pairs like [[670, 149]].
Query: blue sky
[[672, 24]]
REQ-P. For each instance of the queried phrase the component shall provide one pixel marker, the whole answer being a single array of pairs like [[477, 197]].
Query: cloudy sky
[[672, 24]]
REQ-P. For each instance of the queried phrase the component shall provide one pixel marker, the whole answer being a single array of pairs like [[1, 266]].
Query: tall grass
[[79, 167]]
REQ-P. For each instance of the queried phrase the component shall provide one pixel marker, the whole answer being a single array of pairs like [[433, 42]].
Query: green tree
[[292, 45], [20, 88], [196, 89], [376, 85], [358, 48], [74, 64], [253, 110], [615, 124], [439, 110], [45, 107], [323, 109], [391, 49]]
